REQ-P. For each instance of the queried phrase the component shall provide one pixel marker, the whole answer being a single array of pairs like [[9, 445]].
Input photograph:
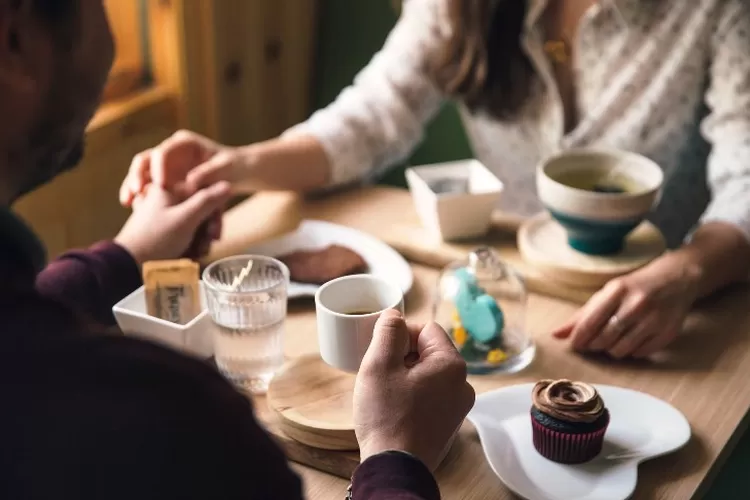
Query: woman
[[534, 78]]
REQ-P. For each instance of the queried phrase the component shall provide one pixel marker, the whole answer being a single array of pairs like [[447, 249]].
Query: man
[[91, 416]]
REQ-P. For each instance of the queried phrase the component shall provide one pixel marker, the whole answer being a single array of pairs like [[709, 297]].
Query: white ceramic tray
[[642, 427], [382, 260], [194, 338]]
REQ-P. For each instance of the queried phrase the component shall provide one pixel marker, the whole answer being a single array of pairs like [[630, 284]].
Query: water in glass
[[249, 319]]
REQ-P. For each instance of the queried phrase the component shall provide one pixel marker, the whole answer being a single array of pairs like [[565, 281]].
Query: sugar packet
[[172, 290]]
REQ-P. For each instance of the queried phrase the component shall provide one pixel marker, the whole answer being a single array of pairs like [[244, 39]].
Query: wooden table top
[[704, 374]]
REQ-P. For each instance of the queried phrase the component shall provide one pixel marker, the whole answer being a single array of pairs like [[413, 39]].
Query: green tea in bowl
[[601, 181], [598, 196]]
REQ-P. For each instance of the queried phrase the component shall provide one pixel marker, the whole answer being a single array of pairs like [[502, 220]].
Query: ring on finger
[[615, 325], [611, 333]]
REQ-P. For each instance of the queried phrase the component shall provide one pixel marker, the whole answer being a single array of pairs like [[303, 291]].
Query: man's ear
[[19, 44]]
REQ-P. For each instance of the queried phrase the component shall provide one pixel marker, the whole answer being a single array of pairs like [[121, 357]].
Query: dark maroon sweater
[[85, 415]]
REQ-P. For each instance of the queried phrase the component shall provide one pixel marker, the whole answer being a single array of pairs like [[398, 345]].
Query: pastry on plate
[[323, 265], [568, 421]]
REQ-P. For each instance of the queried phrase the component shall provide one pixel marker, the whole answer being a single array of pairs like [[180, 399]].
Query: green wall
[[351, 32]]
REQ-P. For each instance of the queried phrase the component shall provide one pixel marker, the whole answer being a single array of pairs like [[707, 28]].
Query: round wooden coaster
[[543, 243], [314, 403]]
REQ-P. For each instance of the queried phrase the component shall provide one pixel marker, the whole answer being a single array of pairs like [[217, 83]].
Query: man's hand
[[411, 405], [165, 226], [639, 314]]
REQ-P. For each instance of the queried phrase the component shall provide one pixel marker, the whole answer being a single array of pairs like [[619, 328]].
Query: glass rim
[[246, 257]]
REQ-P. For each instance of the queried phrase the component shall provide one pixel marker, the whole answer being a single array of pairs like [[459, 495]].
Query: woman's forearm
[[718, 254], [286, 164]]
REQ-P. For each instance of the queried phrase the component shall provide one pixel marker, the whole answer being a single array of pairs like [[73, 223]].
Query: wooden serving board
[[342, 463], [262, 217], [388, 214], [544, 243], [337, 463], [313, 402]]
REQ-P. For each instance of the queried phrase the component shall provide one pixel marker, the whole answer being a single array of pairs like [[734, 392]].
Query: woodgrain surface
[[314, 404], [704, 375], [258, 58], [128, 67], [262, 217]]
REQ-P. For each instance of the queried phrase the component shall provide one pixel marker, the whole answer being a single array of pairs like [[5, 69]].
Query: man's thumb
[[205, 202], [390, 340]]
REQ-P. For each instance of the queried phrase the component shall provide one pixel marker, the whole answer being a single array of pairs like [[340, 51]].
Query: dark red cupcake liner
[[567, 448]]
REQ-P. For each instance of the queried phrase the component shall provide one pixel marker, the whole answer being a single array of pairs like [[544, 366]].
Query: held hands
[[186, 162], [416, 406], [167, 226], [636, 315]]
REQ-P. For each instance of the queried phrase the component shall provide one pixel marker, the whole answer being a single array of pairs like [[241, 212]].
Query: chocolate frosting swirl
[[569, 401]]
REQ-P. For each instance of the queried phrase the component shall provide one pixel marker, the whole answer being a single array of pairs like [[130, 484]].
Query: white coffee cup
[[347, 309]]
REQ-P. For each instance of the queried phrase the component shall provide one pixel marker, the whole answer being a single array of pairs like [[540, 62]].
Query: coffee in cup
[[347, 309]]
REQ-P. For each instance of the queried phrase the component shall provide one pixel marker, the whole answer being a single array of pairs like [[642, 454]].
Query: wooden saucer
[[314, 404], [543, 243]]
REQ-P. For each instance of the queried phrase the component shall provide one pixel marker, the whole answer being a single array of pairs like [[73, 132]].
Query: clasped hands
[[175, 213]]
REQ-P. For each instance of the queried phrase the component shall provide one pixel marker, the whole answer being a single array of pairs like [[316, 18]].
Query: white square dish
[[194, 338], [454, 200]]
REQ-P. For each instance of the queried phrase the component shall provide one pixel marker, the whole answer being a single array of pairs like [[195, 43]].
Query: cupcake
[[568, 421]]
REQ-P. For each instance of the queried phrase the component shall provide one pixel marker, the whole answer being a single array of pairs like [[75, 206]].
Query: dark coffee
[[359, 312]]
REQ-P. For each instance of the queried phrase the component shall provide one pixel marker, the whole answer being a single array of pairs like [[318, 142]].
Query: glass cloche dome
[[481, 303]]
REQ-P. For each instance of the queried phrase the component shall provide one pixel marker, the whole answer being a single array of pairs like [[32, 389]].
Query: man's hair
[[55, 10], [59, 16]]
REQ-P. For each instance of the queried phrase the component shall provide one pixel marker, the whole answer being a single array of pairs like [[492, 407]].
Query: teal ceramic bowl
[[599, 196]]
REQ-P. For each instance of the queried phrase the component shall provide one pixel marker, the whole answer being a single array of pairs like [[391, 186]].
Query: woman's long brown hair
[[483, 64]]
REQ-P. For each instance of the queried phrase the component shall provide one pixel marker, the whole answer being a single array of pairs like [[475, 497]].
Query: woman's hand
[[184, 163], [187, 162], [639, 314]]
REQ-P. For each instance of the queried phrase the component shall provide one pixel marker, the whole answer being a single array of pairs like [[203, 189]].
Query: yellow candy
[[496, 356], [456, 319], [459, 336]]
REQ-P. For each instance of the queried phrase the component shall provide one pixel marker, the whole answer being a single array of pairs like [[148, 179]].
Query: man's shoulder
[[136, 415], [50, 344], [101, 363], [120, 388]]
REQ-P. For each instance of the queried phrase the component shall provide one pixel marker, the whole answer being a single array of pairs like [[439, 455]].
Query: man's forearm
[[286, 164], [91, 281], [393, 476], [718, 253]]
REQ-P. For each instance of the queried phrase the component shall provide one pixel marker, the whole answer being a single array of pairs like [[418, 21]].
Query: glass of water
[[248, 309]]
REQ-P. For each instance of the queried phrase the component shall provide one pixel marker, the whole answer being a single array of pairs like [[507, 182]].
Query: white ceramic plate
[[641, 428], [382, 260]]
